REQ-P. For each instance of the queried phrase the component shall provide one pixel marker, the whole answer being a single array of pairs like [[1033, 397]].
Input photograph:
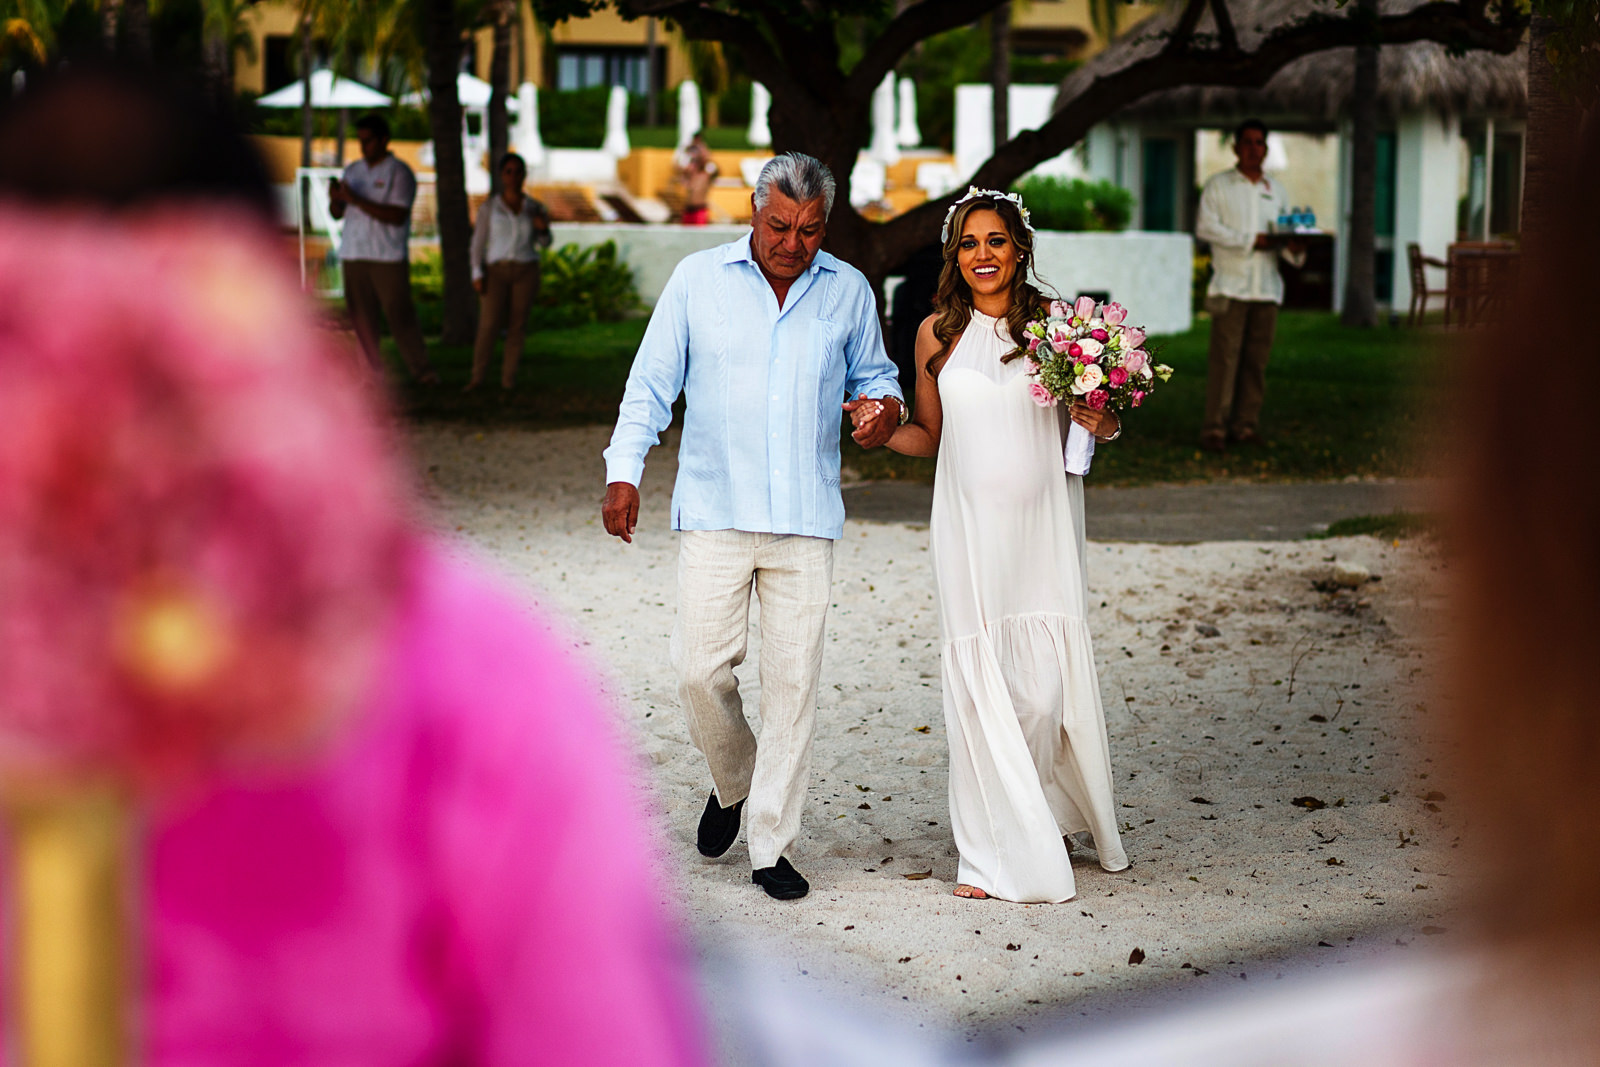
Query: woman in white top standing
[[1029, 760], [512, 228]]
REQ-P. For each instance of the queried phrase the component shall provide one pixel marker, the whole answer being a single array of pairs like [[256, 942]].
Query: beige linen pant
[[791, 575], [509, 290], [1236, 381], [370, 285]]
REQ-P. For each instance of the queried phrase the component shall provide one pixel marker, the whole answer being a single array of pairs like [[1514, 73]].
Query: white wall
[[652, 251], [1148, 273], [1427, 175]]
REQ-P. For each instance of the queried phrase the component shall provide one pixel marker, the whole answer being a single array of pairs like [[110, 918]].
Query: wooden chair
[[1420, 292], [1480, 279]]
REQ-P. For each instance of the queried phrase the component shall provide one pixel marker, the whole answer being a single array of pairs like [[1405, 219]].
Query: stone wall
[[1148, 273]]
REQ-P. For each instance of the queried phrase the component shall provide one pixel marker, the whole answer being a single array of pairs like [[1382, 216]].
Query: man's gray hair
[[798, 176]]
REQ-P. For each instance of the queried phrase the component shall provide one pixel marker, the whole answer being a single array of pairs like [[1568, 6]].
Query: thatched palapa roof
[[1316, 89]]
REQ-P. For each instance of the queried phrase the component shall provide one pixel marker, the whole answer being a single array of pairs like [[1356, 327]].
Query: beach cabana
[[1450, 142]]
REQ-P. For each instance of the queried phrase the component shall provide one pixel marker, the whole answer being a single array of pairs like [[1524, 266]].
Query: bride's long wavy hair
[[952, 300]]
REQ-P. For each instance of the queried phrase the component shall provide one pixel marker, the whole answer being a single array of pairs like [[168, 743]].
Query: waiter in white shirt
[[1237, 211], [374, 250]]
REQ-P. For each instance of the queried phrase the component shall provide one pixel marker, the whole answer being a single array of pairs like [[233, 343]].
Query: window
[[583, 68]]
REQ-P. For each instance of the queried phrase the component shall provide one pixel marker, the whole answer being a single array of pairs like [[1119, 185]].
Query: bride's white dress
[[1028, 754]]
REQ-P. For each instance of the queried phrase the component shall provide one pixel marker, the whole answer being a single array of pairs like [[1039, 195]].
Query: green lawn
[[1339, 402]]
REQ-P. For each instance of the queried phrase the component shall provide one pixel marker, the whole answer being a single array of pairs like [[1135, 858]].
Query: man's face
[[373, 147], [1250, 148], [785, 236]]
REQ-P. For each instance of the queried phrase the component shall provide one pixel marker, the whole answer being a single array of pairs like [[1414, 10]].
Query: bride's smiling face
[[986, 254]]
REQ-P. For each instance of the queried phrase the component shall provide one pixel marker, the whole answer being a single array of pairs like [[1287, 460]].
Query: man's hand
[[874, 421], [621, 510], [481, 285]]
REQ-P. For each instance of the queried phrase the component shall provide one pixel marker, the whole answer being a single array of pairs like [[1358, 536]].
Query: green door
[[1159, 194]]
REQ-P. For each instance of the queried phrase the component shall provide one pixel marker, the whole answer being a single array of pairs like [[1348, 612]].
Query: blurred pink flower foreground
[[176, 433]]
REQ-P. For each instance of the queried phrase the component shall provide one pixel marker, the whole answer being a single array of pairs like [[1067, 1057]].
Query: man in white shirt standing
[[374, 249], [1238, 211]]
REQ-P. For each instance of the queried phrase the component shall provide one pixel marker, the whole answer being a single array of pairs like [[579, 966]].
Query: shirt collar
[[739, 252]]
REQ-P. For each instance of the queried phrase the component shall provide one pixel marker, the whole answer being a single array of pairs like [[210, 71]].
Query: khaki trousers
[[791, 575], [370, 285], [1236, 381], [510, 288]]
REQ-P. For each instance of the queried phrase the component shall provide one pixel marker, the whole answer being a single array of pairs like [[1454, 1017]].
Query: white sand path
[[1212, 739]]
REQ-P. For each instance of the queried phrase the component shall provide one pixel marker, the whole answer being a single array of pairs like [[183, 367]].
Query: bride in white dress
[[1028, 754]]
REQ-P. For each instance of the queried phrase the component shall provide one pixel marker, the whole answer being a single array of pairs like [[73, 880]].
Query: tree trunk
[[306, 128], [136, 30], [1000, 71], [1360, 293], [1552, 123], [216, 67], [450, 176], [650, 61], [110, 18], [500, 80]]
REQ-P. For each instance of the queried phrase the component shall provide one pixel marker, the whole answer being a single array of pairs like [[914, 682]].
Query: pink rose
[[1114, 314], [1040, 395], [1083, 308], [1075, 350], [1100, 335], [1060, 309], [1138, 397], [1135, 360], [1132, 337], [1116, 376], [1097, 398]]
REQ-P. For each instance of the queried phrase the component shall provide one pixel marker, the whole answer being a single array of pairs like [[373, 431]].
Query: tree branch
[[1224, 21], [1183, 30], [1109, 92], [702, 22], [916, 23]]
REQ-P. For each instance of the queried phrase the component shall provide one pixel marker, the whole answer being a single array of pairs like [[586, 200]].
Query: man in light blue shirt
[[765, 338]]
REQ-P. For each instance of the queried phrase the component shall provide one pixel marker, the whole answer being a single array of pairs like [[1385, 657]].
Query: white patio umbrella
[[688, 112], [883, 148], [473, 93], [616, 139], [759, 133], [327, 91], [525, 134]]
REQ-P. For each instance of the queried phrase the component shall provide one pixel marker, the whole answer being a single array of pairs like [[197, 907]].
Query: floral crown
[[974, 193]]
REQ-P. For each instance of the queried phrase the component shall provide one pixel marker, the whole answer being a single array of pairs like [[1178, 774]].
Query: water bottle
[[1311, 218], [1285, 221]]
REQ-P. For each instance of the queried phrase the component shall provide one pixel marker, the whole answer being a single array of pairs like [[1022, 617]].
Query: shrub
[[1075, 204], [583, 285], [574, 118]]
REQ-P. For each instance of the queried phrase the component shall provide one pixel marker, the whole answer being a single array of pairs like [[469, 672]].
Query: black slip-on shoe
[[719, 827], [781, 881]]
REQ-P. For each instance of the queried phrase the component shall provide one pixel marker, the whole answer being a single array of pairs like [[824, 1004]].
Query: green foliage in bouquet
[[1075, 204]]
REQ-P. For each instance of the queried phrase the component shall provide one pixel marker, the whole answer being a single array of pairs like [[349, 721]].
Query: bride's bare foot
[[971, 892]]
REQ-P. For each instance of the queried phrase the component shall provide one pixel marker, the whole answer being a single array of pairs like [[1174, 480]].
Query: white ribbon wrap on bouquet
[[1080, 449]]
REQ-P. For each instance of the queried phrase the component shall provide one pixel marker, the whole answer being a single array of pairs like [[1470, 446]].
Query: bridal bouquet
[[1084, 353]]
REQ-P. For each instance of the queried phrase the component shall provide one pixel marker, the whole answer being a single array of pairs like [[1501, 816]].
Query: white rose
[[1091, 347], [1088, 379]]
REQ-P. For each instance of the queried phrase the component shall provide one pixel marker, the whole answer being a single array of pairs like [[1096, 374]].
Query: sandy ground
[[1297, 693]]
